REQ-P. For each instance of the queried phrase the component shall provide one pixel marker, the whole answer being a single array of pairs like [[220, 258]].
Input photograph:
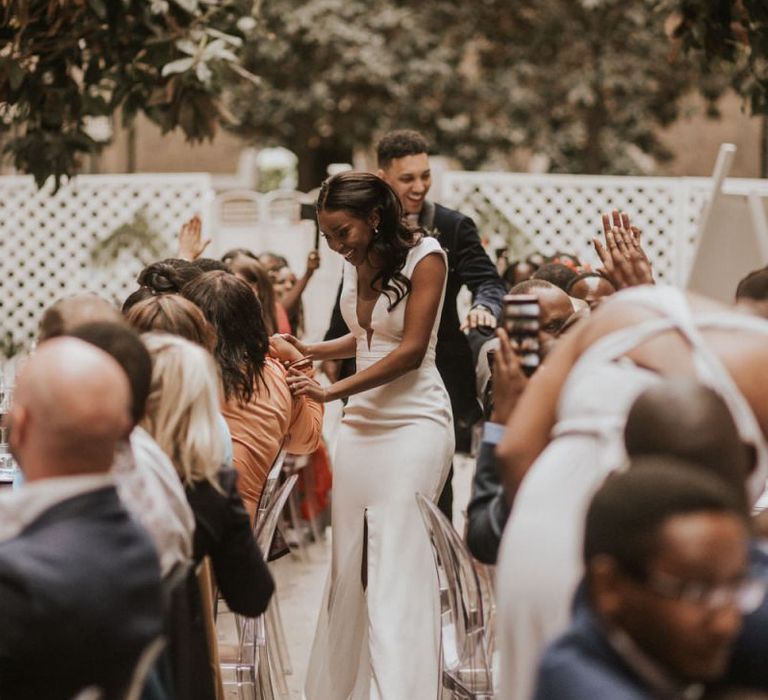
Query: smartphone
[[309, 212], [521, 321]]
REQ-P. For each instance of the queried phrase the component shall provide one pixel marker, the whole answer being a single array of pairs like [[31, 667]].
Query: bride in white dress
[[378, 633]]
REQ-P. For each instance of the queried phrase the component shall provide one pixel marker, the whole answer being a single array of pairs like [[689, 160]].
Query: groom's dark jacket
[[468, 264]]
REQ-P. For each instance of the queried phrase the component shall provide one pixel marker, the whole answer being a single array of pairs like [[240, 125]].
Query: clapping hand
[[191, 243], [508, 379], [625, 263]]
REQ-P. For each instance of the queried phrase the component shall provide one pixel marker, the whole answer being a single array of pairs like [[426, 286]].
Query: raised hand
[[509, 381], [191, 243], [624, 261], [313, 262]]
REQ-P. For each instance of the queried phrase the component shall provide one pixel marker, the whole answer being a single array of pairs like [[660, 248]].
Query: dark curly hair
[[360, 195], [242, 343], [398, 144]]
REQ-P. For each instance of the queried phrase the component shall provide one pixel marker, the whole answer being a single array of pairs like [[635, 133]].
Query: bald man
[[79, 579], [145, 477]]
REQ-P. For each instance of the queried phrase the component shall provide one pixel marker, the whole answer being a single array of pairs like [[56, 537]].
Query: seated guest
[[145, 478], [72, 311], [164, 277], [172, 313], [258, 406], [181, 412], [752, 293], [684, 419], [79, 578], [665, 588], [245, 266], [555, 306], [517, 272], [556, 273], [591, 287]]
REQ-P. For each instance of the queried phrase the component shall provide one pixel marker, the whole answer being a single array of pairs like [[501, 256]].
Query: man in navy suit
[[404, 164], [665, 590], [79, 579]]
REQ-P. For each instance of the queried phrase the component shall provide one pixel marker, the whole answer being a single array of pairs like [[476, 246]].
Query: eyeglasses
[[745, 594]]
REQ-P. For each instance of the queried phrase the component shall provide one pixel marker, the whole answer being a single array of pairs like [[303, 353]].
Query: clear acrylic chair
[[250, 659], [466, 668], [298, 464]]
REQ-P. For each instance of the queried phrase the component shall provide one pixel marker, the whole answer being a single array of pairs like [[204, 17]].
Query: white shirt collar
[[20, 507]]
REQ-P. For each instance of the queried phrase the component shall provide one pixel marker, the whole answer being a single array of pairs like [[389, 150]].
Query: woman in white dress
[[378, 634], [566, 435]]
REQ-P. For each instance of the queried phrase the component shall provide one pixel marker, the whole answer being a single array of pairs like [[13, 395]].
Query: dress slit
[[364, 557]]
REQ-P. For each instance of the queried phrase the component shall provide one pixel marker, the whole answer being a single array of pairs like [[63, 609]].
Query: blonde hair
[[183, 407]]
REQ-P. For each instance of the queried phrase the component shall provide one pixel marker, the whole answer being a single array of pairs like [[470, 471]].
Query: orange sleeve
[[306, 428]]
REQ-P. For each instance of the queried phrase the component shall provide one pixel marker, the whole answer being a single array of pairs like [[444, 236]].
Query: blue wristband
[[493, 432]]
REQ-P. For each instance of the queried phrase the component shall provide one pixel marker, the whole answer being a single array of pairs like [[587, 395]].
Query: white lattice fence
[[550, 213], [47, 239]]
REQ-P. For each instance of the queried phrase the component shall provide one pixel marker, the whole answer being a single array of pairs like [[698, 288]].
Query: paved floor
[[300, 584]]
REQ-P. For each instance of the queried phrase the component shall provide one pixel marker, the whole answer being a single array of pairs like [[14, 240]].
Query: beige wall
[[169, 153], [695, 140]]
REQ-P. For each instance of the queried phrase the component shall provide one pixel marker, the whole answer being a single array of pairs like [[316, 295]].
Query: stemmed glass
[[7, 463]]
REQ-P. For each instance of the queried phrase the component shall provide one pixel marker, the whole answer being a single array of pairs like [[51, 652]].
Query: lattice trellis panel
[[47, 239], [550, 213]]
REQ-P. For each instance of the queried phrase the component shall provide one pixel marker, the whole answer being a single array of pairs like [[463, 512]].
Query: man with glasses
[[666, 587]]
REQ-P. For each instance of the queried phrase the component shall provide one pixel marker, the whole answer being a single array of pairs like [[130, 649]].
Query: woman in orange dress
[[260, 411]]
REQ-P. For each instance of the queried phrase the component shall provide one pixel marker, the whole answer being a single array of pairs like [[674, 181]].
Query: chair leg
[[277, 630], [312, 506], [293, 509], [277, 669]]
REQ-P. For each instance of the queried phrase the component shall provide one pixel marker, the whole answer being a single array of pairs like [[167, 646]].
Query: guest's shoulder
[[571, 670]]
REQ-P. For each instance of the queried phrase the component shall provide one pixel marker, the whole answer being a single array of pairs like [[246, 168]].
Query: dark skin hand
[[625, 263]]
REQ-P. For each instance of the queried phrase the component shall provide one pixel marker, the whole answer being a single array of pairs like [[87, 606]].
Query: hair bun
[[166, 276]]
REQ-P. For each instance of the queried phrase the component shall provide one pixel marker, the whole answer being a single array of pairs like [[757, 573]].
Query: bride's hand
[[302, 385], [282, 350], [304, 349]]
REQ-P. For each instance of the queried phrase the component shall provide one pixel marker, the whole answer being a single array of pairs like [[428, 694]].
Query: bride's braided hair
[[362, 194]]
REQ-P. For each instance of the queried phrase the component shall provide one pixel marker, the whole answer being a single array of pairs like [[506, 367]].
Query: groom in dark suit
[[404, 164], [79, 579]]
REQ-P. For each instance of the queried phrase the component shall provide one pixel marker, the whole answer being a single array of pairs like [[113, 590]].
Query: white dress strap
[[676, 315]]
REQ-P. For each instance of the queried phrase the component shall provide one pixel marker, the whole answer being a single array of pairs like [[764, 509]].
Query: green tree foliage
[[337, 72], [585, 83], [64, 62], [728, 35]]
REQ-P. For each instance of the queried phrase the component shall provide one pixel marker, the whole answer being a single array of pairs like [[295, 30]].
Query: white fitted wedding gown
[[540, 556], [382, 642]]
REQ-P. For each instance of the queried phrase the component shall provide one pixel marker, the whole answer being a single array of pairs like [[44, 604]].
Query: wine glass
[[7, 463]]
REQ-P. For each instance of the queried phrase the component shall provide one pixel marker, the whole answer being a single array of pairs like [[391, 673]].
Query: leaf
[[181, 65], [99, 8]]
